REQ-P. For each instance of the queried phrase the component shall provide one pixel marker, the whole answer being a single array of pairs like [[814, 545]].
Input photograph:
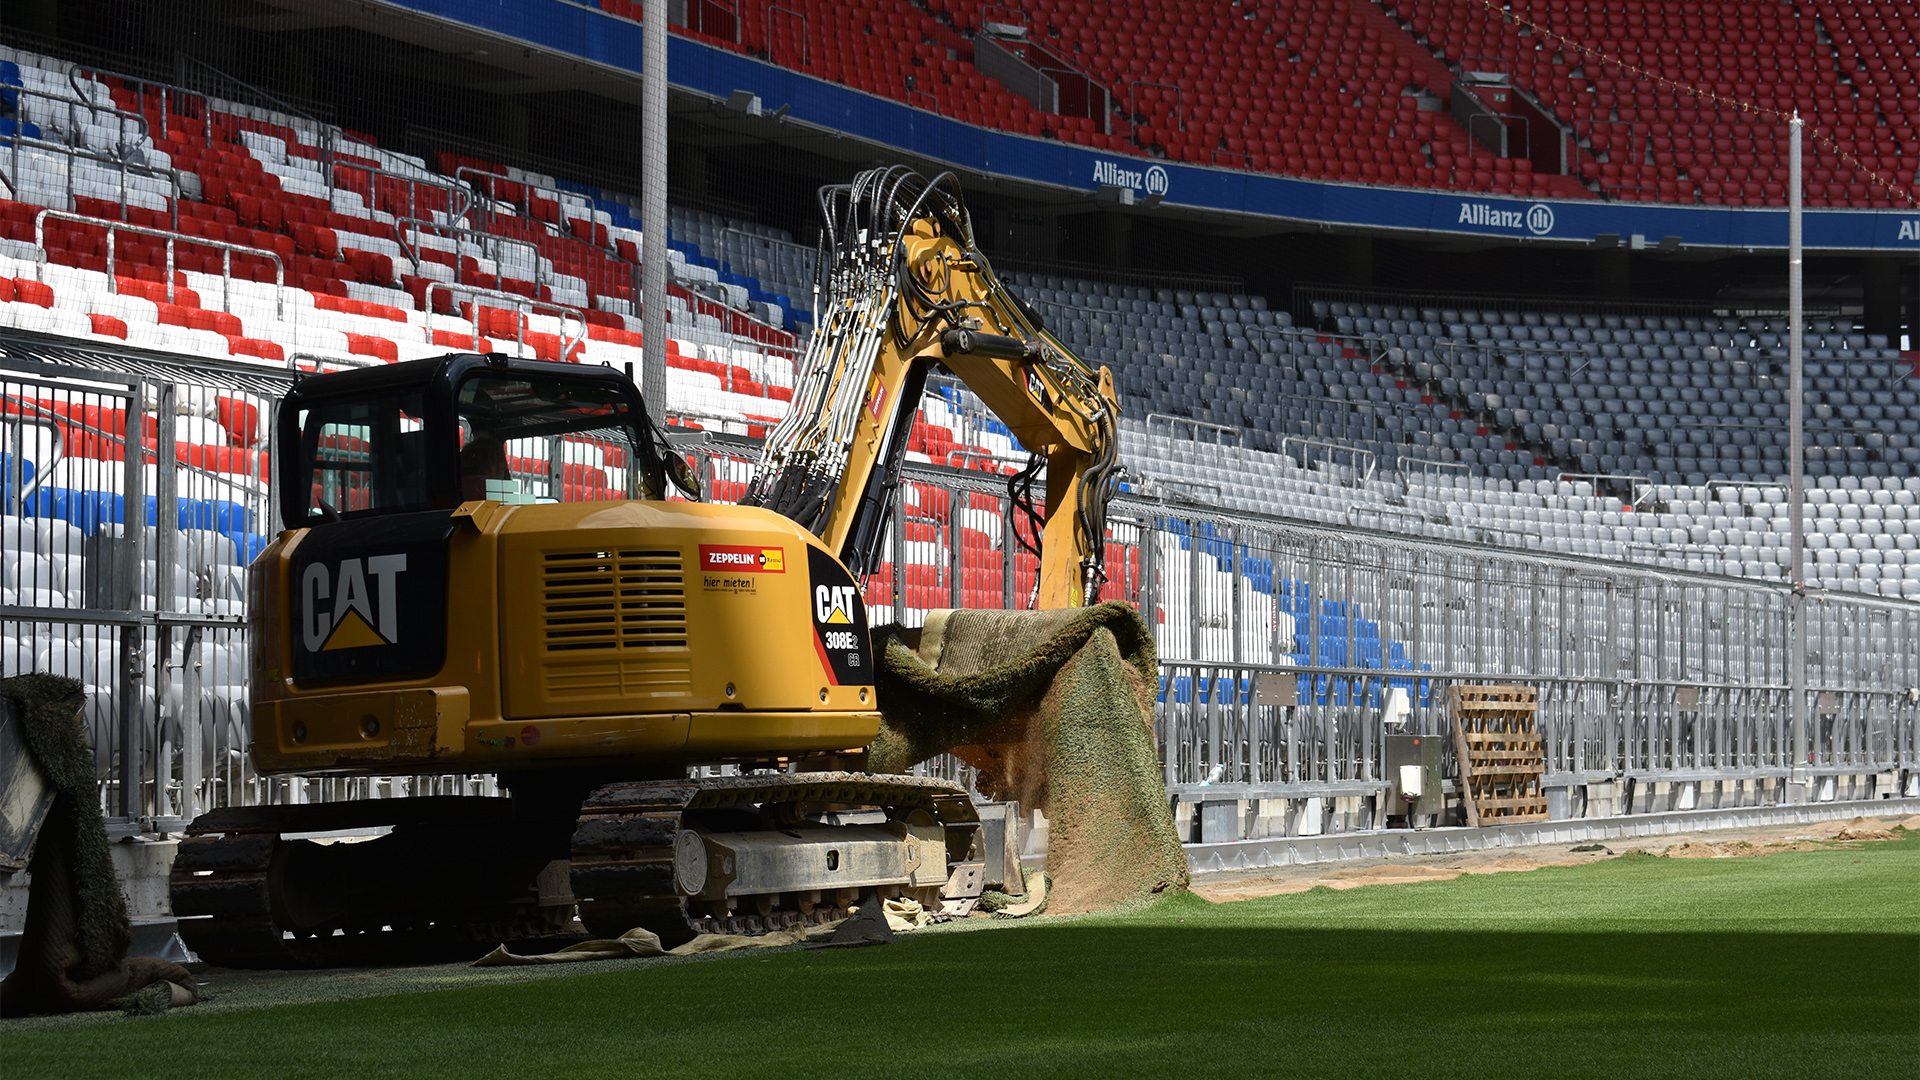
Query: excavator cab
[[433, 434]]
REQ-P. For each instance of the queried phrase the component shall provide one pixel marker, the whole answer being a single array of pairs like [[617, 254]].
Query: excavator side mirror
[[684, 477]]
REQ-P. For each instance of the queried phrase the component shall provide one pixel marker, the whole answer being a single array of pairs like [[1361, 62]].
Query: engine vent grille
[[614, 600]]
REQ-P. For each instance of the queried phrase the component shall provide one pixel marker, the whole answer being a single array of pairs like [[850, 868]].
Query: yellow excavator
[[482, 572]]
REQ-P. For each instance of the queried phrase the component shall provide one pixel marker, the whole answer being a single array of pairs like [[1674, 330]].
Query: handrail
[[1305, 295], [181, 60], [970, 454], [226, 250], [1105, 115], [1355, 509], [172, 174], [1180, 101], [690, 287], [1616, 189], [727, 251], [731, 7], [1502, 120], [1641, 486], [92, 109], [1171, 421], [413, 256], [337, 361], [519, 302], [1004, 9], [450, 188], [487, 212], [206, 103], [462, 171], [1332, 448], [327, 134], [1426, 465], [16, 488], [1755, 485], [1504, 70], [805, 45]]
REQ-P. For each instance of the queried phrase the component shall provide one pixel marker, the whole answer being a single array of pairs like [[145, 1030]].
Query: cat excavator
[[484, 571]]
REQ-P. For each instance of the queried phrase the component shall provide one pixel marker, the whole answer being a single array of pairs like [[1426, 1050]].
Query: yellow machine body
[[590, 633]]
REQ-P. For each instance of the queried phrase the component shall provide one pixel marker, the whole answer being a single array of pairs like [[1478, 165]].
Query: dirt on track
[[1414, 869]]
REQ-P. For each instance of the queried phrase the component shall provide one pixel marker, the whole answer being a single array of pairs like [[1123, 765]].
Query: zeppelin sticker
[[737, 568]]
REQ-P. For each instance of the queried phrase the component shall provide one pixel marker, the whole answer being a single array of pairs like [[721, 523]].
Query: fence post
[[900, 554], [166, 556], [133, 658]]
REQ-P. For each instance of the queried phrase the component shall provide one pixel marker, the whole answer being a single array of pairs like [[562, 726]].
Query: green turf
[[1804, 964]]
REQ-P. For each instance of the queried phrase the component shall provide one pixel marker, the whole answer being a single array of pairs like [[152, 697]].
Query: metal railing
[[121, 165], [456, 194], [1364, 460], [165, 91], [227, 252], [81, 101], [1645, 676], [1408, 468], [121, 159], [487, 241], [1219, 430], [1179, 98], [805, 44], [1305, 295], [924, 99], [521, 305], [1640, 488]]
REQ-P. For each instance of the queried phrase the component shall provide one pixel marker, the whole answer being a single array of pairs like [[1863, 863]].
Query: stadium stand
[[1351, 91], [1844, 67], [255, 206], [1454, 424]]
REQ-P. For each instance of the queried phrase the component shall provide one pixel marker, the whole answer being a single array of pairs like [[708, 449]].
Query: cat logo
[[338, 609], [839, 621], [833, 604]]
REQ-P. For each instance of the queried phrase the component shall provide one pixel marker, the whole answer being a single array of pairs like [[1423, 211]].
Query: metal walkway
[[1342, 847]]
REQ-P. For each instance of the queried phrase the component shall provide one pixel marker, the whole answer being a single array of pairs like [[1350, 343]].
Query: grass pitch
[[1799, 964]]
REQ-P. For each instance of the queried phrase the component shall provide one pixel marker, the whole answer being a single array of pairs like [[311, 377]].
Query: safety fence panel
[[1283, 646]]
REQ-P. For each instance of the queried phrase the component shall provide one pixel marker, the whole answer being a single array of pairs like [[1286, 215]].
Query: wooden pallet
[[1502, 755]]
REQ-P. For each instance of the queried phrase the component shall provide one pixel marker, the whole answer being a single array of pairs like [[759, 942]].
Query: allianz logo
[[1152, 180], [1536, 219], [1909, 229]]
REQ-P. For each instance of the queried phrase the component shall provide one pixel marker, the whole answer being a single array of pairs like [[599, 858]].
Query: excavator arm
[[902, 288]]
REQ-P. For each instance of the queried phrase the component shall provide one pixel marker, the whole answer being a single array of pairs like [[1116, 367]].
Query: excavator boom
[[903, 287]]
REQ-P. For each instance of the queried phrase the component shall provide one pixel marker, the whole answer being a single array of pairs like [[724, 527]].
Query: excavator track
[[624, 847], [452, 878]]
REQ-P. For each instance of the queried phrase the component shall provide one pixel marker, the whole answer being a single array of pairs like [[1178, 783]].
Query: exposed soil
[[1413, 869]]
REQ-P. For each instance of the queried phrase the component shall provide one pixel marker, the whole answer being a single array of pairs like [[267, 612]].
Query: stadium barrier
[[1281, 643]]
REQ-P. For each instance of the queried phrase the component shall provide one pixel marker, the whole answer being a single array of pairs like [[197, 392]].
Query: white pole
[[1797, 601], [653, 207]]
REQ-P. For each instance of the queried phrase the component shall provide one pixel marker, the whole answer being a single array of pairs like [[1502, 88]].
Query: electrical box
[[1412, 767]]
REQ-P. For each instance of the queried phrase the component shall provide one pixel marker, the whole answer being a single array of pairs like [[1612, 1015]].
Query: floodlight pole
[[1797, 599], [653, 207]]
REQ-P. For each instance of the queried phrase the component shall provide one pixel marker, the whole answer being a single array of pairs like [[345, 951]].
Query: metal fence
[[1643, 676], [1279, 641]]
